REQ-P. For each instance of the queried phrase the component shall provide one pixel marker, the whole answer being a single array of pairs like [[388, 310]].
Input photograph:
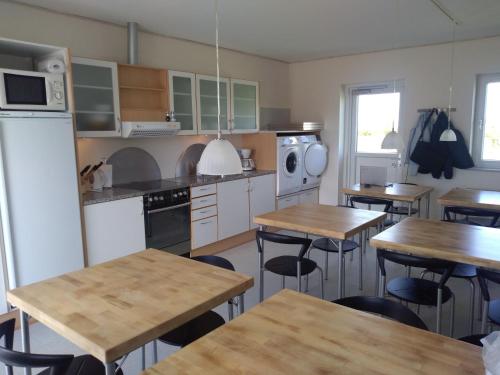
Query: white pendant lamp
[[392, 140], [449, 135], [219, 158]]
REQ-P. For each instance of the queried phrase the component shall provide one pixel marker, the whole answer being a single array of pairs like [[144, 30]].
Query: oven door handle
[[168, 208]]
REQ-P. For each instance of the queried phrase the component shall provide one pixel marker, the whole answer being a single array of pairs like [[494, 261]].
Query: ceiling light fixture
[[392, 140], [219, 158]]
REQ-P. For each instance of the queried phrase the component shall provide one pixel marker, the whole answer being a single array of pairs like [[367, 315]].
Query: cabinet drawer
[[200, 191], [209, 200], [204, 232], [203, 213], [289, 201]]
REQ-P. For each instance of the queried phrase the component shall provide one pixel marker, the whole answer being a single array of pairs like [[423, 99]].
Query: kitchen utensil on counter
[[247, 165], [245, 153], [84, 170]]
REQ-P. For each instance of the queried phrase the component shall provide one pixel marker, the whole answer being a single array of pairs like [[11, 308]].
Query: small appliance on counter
[[247, 164]]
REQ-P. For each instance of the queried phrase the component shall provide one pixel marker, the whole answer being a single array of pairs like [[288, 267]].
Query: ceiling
[[297, 30]]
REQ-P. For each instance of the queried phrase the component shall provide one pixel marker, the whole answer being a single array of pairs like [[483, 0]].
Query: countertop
[[120, 192]]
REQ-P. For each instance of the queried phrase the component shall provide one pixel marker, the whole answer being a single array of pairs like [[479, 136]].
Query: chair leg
[[360, 271], [472, 302], [326, 265], [283, 282], [307, 276], [343, 273], [143, 357], [452, 315], [408, 272], [439, 306], [484, 320], [321, 282]]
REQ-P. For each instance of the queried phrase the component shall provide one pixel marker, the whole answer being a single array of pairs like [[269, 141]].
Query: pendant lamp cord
[[451, 73], [217, 60]]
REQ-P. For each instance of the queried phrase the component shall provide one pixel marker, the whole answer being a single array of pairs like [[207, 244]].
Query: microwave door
[[25, 90]]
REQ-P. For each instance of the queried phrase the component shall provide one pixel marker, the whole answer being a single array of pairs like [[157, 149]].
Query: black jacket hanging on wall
[[452, 154]]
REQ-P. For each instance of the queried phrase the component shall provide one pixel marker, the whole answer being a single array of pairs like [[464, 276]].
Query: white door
[[114, 229], [262, 197], [372, 112], [233, 208]]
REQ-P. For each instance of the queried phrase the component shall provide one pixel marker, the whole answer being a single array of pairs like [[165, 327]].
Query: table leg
[[110, 368], [241, 304], [346, 199], [419, 207], [361, 246], [261, 269], [341, 270], [143, 357], [25, 337], [409, 208], [155, 351]]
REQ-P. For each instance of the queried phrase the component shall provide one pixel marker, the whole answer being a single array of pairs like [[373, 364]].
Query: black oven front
[[167, 221]]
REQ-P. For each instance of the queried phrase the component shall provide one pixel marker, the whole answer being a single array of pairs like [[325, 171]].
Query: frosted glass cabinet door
[[97, 107], [182, 100], [206, 96], [244, 106]]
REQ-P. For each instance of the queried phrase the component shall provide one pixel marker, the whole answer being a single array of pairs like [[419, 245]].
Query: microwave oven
[[31, 91]]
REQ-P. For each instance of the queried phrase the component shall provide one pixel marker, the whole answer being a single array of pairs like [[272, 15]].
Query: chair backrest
[[484, 275], [417, 262], [474, 212], [305, 243], [215, 260], [384, 307], [371, 201], [58, 364]]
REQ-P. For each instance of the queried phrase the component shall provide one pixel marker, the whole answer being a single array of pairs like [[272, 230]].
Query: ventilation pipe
[[133, 44]]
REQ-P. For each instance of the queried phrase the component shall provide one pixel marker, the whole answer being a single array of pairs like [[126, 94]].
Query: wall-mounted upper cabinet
[[143, 93], [244, 106], [206, 98], [97, 105], [183, 100]]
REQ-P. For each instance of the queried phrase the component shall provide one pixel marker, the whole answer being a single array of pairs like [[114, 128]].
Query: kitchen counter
[[118, 192]]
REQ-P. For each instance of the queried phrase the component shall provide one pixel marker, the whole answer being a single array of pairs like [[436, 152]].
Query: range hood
[[149, 129], [290, 127]]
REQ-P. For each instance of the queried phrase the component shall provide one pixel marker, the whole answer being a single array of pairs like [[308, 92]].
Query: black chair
[[471, 216], [402, 210], [331, 245], [63, 364], [491, 308], [374, 202], [206, 322], [417, 290], [384, 307], [289, 265], [474, 339]]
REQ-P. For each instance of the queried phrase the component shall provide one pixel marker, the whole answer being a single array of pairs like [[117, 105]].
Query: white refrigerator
[[39, 202]]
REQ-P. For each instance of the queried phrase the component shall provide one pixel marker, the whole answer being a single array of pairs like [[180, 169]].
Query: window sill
[[485, 169]]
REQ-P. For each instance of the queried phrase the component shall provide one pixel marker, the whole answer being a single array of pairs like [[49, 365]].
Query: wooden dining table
[[488, 200], [294, 333], [116, 307], [408, 194], [333, 222]]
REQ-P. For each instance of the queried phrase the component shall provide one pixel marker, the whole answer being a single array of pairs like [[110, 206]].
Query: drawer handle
[[204, 212], [203, 189], [203, 201], [206, 222]]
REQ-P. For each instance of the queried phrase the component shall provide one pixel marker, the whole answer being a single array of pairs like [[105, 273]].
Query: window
[[486, 142], [375, 111]]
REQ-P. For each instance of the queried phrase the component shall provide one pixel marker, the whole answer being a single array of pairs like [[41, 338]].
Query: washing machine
[[289, 164], [315, 160]]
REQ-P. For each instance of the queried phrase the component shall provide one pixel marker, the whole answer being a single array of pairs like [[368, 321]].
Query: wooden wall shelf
[[143, 93]]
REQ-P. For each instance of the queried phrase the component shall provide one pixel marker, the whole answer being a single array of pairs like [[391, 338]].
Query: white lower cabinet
[[203, 232], [261, 194], [233, 207], [309, 196], [288, 201], [114, 229]]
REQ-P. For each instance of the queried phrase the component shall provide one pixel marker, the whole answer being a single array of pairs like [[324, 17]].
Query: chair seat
[[194, 329], [473, 339], [84, 365], [286, 265], [463, 271], [401, 210], [419, 291], [327, 244], [494, 311]]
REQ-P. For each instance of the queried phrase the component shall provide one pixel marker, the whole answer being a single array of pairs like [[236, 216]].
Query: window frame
[[482, 82]]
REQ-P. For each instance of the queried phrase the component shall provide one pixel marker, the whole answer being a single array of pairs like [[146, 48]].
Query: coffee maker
[[247, 164]]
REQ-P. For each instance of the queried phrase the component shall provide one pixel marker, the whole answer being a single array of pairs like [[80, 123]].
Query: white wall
[[317, 90], [93, 39]]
